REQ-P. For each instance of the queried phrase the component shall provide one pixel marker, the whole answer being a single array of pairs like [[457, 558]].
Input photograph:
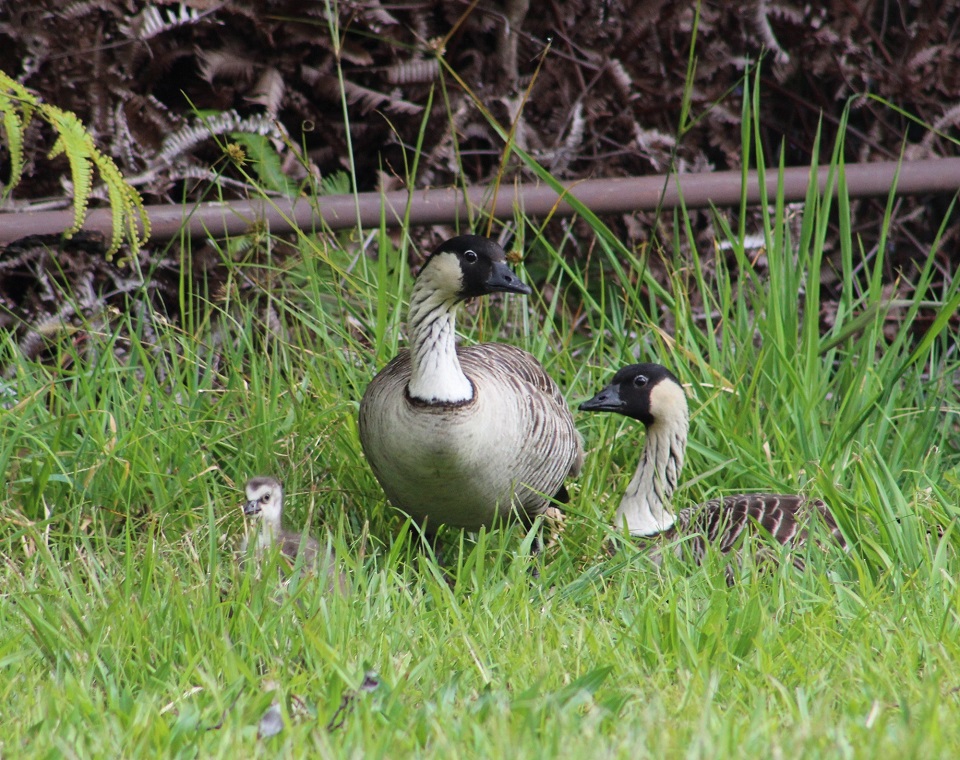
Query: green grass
[[126, 628]]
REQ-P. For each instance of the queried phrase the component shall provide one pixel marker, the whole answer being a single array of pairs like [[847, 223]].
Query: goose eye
[[265, 499], [470, 257], [640, 380]]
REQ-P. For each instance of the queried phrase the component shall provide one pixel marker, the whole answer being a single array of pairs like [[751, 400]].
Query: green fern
[[75, 141], [16, 107], [129, 217], [126, 205], [266, 163], [13, 130]]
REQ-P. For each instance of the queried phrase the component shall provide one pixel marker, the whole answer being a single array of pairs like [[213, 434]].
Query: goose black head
[[469, 266], [264, 498], [644, 392]]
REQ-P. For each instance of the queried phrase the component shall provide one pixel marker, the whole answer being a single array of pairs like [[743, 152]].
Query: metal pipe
[[443, 206]]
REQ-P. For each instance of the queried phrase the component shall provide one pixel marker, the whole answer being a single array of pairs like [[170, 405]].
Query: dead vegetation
[[594, 89]]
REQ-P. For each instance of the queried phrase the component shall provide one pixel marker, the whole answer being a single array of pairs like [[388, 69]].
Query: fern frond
[[17, 105], [74, 141], [126, 207], [151, 22], [416, 71], [267, 164], [80, 9], [13, 131], [27, 100], [186, 138], [268, 91], [372, 99], [337, 183], [224, 63]]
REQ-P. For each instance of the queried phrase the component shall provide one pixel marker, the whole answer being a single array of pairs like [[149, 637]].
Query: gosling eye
[[470, 257], [639, 381], [265, 499]]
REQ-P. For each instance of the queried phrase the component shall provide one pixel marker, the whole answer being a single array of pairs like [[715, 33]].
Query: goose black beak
[[607, 400], [251, 508], [502, 278]]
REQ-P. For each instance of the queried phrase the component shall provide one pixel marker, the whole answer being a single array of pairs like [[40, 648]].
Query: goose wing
[[549, 448], [316, 558], [783, 516], [294, 544]]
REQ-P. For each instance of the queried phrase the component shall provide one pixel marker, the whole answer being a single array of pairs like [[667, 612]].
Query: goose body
[[264, 506], [464, 436], [652, 394]]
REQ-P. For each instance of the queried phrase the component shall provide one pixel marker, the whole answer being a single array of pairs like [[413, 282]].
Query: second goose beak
[[503, 278], [607, 400]]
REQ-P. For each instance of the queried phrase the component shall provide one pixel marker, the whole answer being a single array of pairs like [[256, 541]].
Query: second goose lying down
[[464, 436], [652, 394], [265, 505]]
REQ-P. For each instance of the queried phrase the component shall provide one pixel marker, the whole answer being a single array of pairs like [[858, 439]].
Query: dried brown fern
[[607, 101]]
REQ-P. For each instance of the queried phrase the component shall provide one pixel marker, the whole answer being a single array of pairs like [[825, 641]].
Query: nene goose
[[265, 505], [652, 394], [466, 436]]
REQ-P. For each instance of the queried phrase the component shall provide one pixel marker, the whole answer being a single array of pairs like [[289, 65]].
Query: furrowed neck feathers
[[645, 507], [436, 376]]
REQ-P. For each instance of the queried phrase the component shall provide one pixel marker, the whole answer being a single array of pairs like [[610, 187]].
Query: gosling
[[265, 506]]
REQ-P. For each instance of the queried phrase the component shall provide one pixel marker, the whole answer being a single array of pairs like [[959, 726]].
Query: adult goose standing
[[265, 506], [465, 436], [651, 394]]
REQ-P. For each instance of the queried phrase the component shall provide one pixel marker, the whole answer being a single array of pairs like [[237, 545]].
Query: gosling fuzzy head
[[265, 502]]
